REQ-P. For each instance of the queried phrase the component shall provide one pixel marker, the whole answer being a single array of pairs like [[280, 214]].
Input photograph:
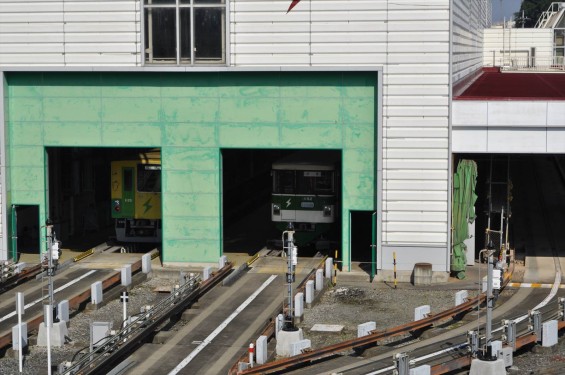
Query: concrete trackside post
[[298, 307], [96, 293], [329, 266], [63, 311], [206, 272], [319, 280], [146, 263], [549, 333], [279, 323], [421, 312], [309, 293], [261, 353], [126, 275], [461, 297], [365, 329], [223, 261]]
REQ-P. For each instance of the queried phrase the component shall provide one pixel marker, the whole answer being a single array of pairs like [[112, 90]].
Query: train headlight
[[117, 206], [276, 209], [327, 210]]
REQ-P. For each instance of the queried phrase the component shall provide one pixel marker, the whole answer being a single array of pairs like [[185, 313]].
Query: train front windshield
[[149, 178], [303, 182]]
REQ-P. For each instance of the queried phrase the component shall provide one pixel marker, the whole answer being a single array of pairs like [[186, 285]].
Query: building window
[[185, 32]]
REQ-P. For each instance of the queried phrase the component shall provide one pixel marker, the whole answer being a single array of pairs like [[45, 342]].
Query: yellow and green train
[[136, 197]]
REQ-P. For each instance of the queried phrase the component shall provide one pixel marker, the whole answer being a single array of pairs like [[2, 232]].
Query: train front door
[[128, 194]]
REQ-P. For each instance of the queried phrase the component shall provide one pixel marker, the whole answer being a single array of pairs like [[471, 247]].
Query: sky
[[504, 8]]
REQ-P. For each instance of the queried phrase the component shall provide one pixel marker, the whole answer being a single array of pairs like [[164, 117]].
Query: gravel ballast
[[345, 304]]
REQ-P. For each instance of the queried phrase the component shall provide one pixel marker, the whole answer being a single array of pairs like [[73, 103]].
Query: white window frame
[[147, 57]]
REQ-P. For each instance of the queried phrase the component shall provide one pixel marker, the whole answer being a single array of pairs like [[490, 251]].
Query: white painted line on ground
[[221, 327], [55, 291], [534, 285]]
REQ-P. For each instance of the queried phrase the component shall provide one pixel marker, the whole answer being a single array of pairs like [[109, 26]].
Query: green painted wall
[[191, 116]]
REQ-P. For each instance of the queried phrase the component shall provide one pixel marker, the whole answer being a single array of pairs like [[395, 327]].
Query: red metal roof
[[494, 85]]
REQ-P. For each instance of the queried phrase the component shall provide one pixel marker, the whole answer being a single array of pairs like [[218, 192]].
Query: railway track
[[76, 299], [454, 350], [444, 353], [314, 356], [15, 277], [123, 342]]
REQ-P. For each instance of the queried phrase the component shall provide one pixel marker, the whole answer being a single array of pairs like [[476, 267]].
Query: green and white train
[[306, 193]]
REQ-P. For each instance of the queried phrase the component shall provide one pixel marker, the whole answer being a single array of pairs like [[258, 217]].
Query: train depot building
[[223, 90]]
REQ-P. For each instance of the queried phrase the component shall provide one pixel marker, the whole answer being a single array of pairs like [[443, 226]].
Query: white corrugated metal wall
[[517, 43], [410, 39], [70, 32]]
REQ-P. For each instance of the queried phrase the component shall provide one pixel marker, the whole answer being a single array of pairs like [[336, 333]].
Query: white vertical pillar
[[146, 263], [261, 353], [421, 312], [366, 328], [63, 310], [206, 273], [329, 267], [20, 308], [223, 261], [48, 325], [319, 279], [461, 297], [299, 305], [126, 275], [309, 292], [279, 323], [96, 293]]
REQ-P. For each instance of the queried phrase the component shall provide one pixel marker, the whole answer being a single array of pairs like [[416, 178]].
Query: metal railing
[[529, 64]]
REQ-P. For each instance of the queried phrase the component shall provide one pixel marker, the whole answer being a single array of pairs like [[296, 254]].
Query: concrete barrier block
[[261, 352], [423, 274], [319, 280], [461, 297], [549, 333], [146, 263], [96, 293], [297, 347], [421, 312], [126, 275], [57, 333], [366, 328]]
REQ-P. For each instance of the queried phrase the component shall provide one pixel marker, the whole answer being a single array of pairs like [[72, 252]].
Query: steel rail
[[74, 302], [269, 329], [371, 339], [24, 275], [134, 334]]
